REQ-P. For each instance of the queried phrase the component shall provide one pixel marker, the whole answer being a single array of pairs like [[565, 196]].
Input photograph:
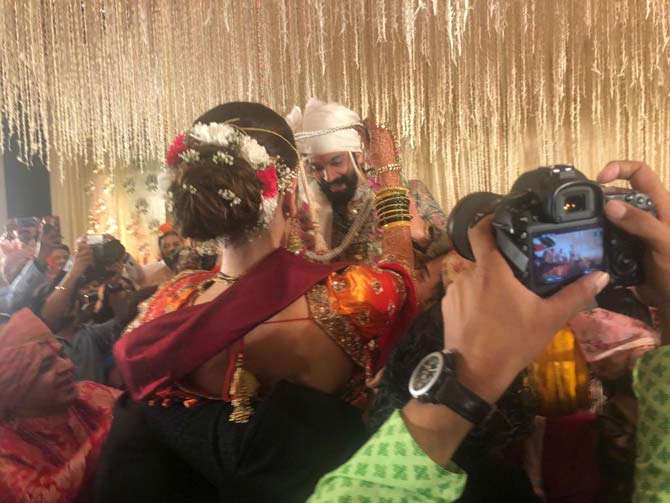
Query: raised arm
[[58, 304], [496, 328]]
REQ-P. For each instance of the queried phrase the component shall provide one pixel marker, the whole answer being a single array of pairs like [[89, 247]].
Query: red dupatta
[[171, 346]]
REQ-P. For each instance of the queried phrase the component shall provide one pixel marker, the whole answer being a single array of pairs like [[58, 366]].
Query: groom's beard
[[340, 197]]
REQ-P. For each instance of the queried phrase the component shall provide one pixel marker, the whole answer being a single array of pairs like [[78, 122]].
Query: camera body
[[106, 251], [551, 229]]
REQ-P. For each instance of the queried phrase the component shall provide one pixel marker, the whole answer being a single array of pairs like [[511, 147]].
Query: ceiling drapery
[[477, 90]]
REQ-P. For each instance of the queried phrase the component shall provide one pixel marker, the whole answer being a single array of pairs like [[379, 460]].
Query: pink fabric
[[612, 342], [53, 459], [24, 342]]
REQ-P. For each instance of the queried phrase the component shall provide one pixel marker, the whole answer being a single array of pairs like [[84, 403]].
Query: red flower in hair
[[176, 149], [268, 178]]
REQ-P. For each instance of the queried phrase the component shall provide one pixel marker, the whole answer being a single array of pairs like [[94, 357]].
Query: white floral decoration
[[285, 177], [230, 196], [190, 188], [254, 153], [269, 206], [235, 143], [215, 133], [190, 155], [223, 158]]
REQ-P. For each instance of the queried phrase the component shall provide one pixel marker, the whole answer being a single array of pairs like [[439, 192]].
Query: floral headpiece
[[233, 143]]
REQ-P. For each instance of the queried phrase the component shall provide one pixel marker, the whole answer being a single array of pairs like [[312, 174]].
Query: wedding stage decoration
[[477, 91]]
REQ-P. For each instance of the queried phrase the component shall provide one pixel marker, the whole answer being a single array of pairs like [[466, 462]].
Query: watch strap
[[459, 398]]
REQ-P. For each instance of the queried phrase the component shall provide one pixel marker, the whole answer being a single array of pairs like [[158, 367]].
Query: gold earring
[[294, 242]]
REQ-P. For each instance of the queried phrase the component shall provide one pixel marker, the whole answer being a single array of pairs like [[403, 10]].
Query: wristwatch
[[434, 380]]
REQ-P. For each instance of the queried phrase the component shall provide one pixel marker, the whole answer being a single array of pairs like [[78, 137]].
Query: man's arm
[[431, 222], [652, 460], [496, 327], [19, 293], [652, 372], [393, 465], [59, 302]]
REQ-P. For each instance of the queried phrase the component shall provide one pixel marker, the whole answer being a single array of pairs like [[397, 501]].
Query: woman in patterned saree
[[251, 375]]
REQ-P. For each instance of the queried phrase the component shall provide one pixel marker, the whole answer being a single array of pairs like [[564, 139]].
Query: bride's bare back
[[290, 346]]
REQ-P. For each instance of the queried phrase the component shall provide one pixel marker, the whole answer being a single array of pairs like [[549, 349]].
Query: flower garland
[[233, 143]]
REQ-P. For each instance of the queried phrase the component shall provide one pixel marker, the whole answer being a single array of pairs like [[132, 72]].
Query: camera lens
[[465, 214]]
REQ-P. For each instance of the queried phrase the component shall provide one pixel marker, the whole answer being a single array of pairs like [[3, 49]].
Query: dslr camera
[[551, 229], [106, 251]]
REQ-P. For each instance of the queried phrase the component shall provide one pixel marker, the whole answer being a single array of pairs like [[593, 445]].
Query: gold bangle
[[392, 190], [401, 223], [398, 213], [392, 207], [392, 204], [391, 197], [60, 287], [395, 201], [392, 223], [389, 216], [394, 216]]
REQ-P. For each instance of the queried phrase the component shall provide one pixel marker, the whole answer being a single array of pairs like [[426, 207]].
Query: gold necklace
[[222, 277]]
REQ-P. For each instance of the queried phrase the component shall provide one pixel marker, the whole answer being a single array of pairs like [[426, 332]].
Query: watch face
[[426, 373]]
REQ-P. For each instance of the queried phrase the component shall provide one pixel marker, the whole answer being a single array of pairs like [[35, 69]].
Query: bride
[[253, 376]]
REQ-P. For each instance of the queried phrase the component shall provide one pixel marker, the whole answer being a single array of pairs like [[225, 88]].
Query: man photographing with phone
[[18, 294]]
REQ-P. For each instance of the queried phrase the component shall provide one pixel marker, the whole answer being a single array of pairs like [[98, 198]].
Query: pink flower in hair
[[176, 149], [268, 178]]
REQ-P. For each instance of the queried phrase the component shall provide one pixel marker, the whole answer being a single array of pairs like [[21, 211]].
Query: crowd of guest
[[277, 369]]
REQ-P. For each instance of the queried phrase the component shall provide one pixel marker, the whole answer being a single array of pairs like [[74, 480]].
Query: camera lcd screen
[[564, 256]]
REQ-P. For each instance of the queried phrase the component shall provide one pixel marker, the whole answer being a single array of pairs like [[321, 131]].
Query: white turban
[[319, 115]]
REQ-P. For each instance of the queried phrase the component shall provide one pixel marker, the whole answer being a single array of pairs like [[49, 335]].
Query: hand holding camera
[[552, 229], [654, 232], [103, 255], [83, 258], [497, 324], [49, 237]]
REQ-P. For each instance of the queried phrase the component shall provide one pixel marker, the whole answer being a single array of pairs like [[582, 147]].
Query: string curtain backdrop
[[477, 91]]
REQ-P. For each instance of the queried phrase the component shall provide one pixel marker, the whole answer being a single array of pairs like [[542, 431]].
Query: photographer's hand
[[498, 327], [83, 259], [655, 232], [49, 237]]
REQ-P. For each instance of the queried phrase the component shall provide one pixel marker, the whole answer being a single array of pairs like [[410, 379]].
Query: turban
[[318, 116], [24, 342]]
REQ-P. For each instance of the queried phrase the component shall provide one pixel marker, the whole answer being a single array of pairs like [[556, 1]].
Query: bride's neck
[[238, 259]]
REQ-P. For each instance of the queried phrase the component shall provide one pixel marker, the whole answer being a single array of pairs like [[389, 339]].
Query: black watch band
[[463, 401], [457, 397]]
